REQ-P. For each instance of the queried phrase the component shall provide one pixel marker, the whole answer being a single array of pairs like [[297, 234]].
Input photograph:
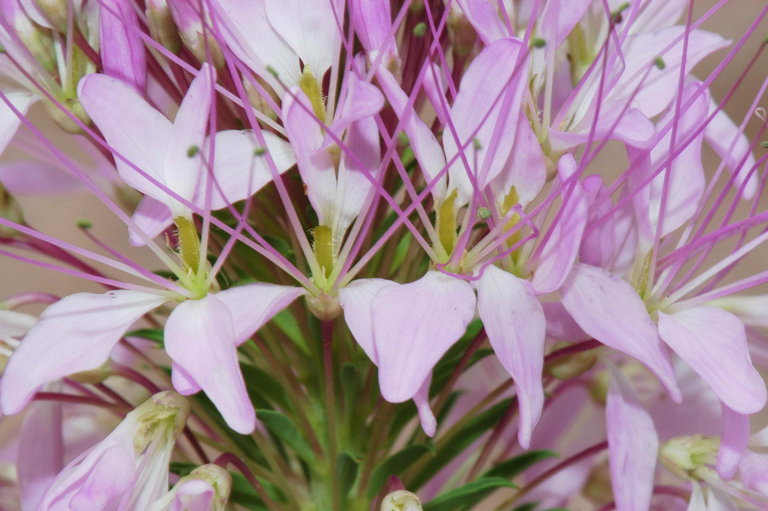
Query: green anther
[[616, 15], [446, 222], [764, 144], [477, 144], [189, 242], [483, 213], [192, 151], [323, 248], [311, 88], [420, 29], [580, 55], [511, 200], [538, 42], [659, 62], [259, 151], [271, 70], [83, 223]]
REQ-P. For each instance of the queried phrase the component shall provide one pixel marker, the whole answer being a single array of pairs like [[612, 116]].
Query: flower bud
[[684, 455], [573, 365], [189, 21], [161, 25], [205, 488], [401, 500]]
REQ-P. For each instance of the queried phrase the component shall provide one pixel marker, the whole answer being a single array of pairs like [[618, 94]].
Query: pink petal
[[633, 446], [200, 338], [182, 171], [609, 309], [238, 171], [9, 121], [526, 169], [426, 148], [183, 382], [714, 343], [414, 325], [753, 472], [74, 334], [252, 305], [487, 19], [559, 253], [41, 451], [560, 324], [37, 177], [152, 217], [733, 442], [478, 114], [372, 20], [356, 299], [732, 146], [313, 34], [426, 417], [249, 35], [131, 127], [559, 17], [514, 320], [121, 48]]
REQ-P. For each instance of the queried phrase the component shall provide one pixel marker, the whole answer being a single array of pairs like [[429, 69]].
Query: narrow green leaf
[[346, 471], [467, 495], [262, 384], [152, 334], [514, 466], [285, 321], [394, 466], [284, 429], [451, 447]]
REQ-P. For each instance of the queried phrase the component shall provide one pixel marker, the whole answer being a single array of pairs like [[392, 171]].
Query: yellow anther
[[446, 222], [311, 88]]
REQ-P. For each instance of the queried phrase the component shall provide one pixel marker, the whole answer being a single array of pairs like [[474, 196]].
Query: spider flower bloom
[[129, 468]]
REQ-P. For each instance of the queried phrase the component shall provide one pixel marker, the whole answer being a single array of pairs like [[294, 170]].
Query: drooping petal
[[356, 299], [607, 308], [131, 127], [238, 170], [514, 320], [252, 305], [559, 253], [200, 338], [426, 417], [74, 334], [182, 162], [414, 324], [733, 442], [714, 343], [632, 446], [313, 34], [121, 48]]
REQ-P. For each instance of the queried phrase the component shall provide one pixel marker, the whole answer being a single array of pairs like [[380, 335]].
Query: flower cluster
[[410, 254]]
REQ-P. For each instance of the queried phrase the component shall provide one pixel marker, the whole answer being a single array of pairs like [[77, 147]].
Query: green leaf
[[284, 429], [262, 384], [468, 494], [285, 321], [451, 447], [394, 466], [514, 466], [152, 334], [346, 471], [401, 250]]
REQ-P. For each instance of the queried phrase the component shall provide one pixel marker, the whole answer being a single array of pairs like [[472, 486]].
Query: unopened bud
[[571, 366], [165, 413], [161, 25], [192, 490], [63, 119], [685, 455], [197, 40], [401, 500], [55, 12]]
